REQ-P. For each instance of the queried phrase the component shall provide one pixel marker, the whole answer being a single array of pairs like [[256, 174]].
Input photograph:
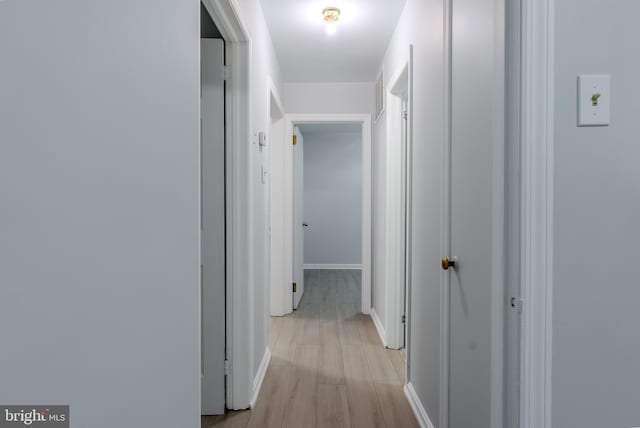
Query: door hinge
[[225, 72], [295, 140], [405, 115], [295, 287], [517, 304], [404, 319], [227, 367]]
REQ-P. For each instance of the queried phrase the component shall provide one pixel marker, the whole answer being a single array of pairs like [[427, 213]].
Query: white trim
[[332, 267], [445, 215], [275, 139], [498, 254], [257, 381], [395, 204], [409, 217], [379, 326], [380, 90], [365, 121], [226, 16], [417, 407], [536, 224]]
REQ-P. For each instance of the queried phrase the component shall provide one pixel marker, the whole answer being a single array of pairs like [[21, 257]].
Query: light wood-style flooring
[[328, 367]]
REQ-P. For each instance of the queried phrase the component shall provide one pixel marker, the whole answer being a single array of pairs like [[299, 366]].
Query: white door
[[213, 226], [475, 123], [298, 238]]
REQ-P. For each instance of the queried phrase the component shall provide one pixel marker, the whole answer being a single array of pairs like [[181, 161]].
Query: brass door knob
[[446, 263]]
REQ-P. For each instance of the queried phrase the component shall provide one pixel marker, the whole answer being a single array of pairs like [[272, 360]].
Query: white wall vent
[[380, 94]]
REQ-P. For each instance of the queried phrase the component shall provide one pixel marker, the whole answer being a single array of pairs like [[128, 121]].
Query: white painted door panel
[[213, 227], [473, 70], [298, 234]]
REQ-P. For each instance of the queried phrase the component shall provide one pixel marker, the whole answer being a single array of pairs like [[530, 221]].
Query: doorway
[[398, 208], [292, 241], [327, 200], [213, 217]]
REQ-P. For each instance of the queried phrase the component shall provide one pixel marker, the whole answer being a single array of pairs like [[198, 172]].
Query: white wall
[[596, 352], [99, 183], [263, 63], [421, 25], [379, 219], [333, 194], [333, 98]]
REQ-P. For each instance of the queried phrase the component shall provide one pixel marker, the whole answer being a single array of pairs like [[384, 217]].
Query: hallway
[[328, 367]]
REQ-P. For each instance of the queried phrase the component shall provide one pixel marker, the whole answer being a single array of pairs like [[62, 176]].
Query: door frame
[[398, 224], [276, 142], [535, 144], [498, 235], [210, 148], [365, 121], [239, 300]]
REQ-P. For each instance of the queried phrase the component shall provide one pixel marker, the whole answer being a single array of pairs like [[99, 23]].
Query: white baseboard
[[257, 381], [417, 407], [334, 267], [379, 327]]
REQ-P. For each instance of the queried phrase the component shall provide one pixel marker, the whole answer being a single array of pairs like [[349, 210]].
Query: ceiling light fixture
[[331, 16]]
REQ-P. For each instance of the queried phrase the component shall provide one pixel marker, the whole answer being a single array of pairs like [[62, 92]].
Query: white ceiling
[[308, 54]]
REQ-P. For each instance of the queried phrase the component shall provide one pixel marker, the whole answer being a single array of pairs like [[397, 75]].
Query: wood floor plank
[[333, 406], [329, 332], [329, 309], [364, 408], [330, 367], [269, 409], [380, 365], [368, 332], [399, 363], [210, 420], [324, 357], [275, 328], [302, 402], [356, 368], [394, 405], [229, 420], [349, 333], [309, 326], [347, 311], [282, 352]]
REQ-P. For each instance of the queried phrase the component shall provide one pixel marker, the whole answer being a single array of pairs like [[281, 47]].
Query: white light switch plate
[[594, 100]]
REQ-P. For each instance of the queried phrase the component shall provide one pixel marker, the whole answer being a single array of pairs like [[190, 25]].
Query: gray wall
[[596, 350], [421, 25], [99, 179], [332, 194], [263, 63]]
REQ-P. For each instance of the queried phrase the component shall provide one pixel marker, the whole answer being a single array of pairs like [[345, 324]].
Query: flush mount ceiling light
[[331, 16]]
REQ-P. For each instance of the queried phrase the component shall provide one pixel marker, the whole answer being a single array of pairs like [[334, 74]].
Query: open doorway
[[213, 217], [327, 212], [289, 289], [398, 209]]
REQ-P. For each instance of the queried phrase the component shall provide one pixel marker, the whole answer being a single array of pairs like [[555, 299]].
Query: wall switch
[[594, 95]]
